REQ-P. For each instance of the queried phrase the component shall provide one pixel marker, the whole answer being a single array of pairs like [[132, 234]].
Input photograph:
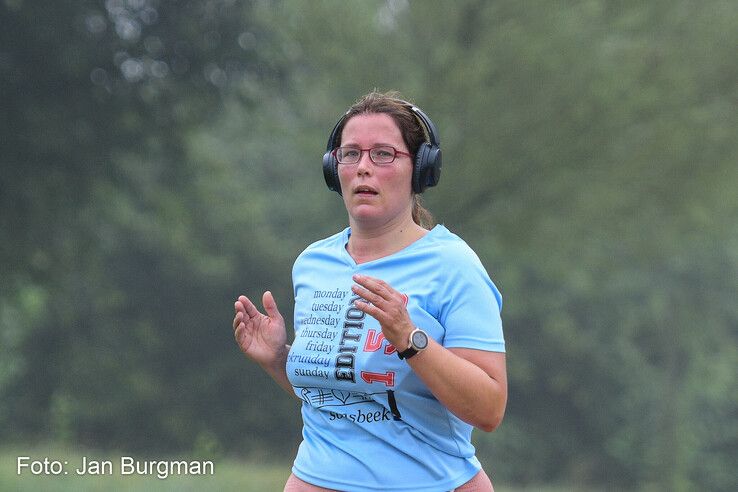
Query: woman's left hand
[[387, 306]]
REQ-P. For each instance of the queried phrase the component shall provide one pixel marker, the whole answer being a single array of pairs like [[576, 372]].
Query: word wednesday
[[127, 466]]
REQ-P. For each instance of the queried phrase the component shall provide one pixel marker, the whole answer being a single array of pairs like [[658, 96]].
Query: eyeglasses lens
[[383, 154]]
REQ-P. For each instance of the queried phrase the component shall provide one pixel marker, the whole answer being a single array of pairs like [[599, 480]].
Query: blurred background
[[160, 157]]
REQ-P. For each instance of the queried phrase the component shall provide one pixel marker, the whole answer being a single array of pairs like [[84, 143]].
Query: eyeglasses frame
[[400, 152]]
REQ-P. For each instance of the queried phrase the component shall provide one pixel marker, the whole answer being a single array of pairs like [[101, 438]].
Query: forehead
[[371, 128]]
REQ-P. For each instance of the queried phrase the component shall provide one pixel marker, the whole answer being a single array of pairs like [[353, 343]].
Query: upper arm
[[494, 366], [492, 363]]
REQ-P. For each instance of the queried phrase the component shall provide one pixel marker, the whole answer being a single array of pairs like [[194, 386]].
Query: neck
[[369, 243]]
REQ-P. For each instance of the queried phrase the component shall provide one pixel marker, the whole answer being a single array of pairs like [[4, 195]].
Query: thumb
[[270, 305]]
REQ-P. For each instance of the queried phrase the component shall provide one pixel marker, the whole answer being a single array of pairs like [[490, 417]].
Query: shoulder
[[323, 248], [461, 271], [451, 248]]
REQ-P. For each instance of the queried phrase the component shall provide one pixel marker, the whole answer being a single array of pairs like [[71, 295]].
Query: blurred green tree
[[160, 158]]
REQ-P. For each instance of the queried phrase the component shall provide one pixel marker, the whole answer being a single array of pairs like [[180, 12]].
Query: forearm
[[460, 385]]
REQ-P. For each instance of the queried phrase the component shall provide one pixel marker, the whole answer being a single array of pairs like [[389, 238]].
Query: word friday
[[126, 466]]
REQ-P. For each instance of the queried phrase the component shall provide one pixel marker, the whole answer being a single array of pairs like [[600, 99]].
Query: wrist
[[278, 362], [417, 341]]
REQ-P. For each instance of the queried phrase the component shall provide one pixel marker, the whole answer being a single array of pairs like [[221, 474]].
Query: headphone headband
[[425, 122]]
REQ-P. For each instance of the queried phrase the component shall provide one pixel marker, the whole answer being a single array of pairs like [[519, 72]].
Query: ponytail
[[421, 215]]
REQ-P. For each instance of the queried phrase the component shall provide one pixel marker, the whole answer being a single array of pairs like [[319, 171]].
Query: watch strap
[[407, 353]]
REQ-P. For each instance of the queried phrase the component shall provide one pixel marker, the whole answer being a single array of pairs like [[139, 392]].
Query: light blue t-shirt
[[369, 423]]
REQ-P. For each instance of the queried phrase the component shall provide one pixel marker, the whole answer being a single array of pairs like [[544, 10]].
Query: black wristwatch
[[418, 341]]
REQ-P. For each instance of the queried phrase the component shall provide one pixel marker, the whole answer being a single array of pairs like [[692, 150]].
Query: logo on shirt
[[330, 352]]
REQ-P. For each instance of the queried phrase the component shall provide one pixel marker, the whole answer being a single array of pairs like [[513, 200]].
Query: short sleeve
[[470, 304]]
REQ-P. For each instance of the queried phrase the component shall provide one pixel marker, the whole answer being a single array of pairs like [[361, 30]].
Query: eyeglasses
[[381, 154]]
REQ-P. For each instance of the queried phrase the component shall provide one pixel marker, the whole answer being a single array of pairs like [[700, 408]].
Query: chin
[[367, 213], [363, 214]]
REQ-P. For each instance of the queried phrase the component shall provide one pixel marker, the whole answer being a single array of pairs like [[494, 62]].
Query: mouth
[[365, 191]]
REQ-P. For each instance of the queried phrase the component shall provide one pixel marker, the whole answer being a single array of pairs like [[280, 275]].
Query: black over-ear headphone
[[426, 165]]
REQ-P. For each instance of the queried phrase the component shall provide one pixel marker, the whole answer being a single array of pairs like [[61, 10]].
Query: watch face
[[419, 340]]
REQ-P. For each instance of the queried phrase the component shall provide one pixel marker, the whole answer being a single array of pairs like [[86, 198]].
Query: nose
[[365, 163]]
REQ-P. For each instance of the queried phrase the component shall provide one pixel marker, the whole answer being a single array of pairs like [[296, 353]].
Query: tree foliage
[[159, 158]]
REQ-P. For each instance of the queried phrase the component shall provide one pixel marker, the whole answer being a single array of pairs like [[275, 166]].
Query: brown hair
[[412, 130]]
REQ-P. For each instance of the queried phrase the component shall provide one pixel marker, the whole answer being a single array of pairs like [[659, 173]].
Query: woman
[[398, 349]]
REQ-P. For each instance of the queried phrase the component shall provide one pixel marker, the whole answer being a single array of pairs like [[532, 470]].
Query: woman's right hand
[[261, 337]]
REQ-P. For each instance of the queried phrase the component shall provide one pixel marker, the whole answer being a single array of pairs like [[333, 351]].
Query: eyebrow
[[376, 144]]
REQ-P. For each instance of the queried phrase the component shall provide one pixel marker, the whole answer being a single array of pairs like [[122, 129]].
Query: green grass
[[229, 474]]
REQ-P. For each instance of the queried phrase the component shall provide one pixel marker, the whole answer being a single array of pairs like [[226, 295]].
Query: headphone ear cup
[[427, 167], [330, 172], [419, 164], [433, 171]]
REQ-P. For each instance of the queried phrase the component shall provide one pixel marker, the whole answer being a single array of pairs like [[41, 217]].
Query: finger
[[367, 294], [240, 335], [377, 286], [270, 305], [248, 307], [370, 309], [237, 320], [240, 304]]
